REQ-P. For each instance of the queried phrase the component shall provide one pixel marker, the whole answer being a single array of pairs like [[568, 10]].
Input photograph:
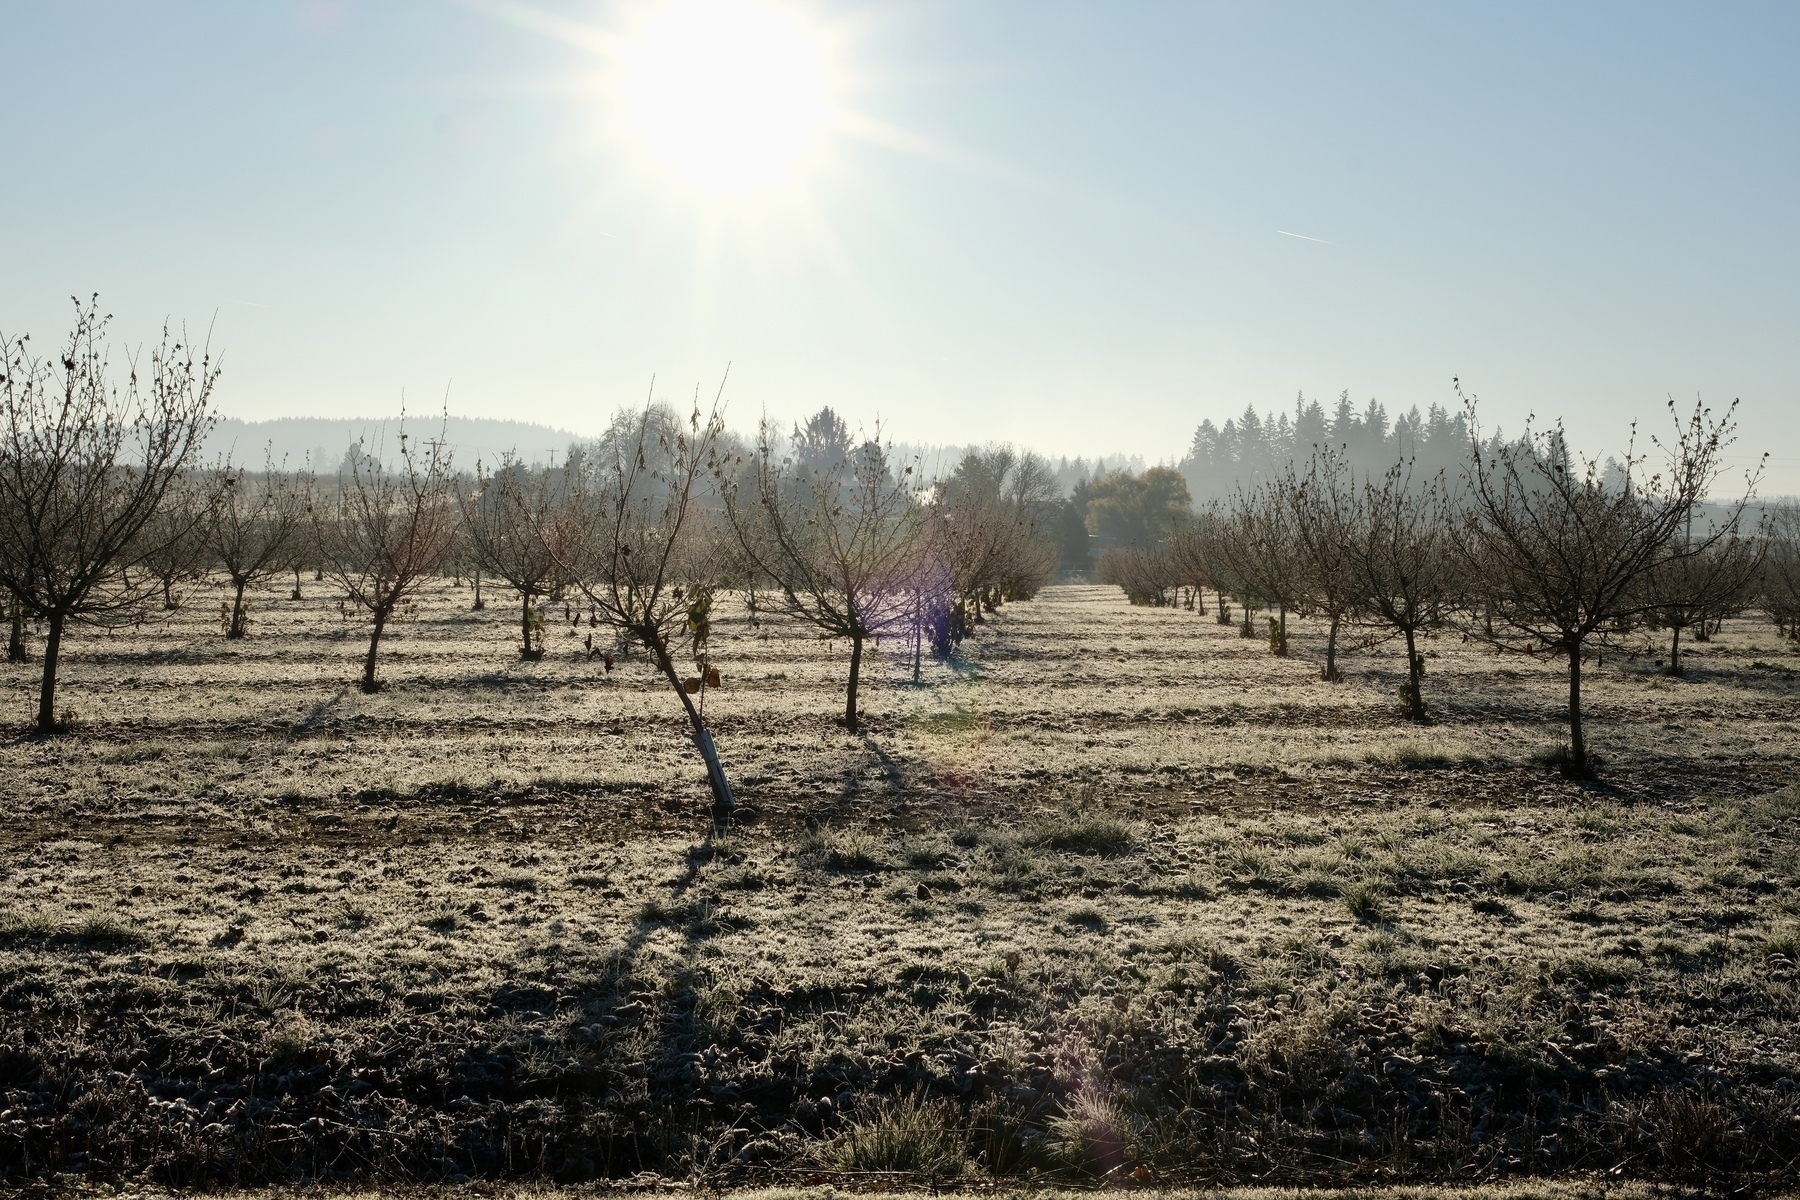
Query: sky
[[1068, 226]]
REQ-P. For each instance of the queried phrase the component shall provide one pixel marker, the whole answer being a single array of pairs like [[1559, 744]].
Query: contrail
[[1304, 238]]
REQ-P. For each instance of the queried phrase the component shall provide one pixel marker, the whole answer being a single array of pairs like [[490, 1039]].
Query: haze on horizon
[[1081, 228]]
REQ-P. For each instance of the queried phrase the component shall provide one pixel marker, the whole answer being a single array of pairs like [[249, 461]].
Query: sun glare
[[729, 92]]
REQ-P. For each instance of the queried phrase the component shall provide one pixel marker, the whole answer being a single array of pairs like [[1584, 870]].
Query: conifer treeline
[[1252, 449]]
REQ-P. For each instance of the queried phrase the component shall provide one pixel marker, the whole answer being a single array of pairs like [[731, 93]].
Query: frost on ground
[[1115, 895]]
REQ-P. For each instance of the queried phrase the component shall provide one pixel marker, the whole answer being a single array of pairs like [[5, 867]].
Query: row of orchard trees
[[1528, 548], [106, 509]]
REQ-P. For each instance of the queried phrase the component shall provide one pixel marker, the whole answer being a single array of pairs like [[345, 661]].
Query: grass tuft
[[108, 932], [908, 1134], [843, 850], [1095, 1135], [1366, 903], [1083, 832]]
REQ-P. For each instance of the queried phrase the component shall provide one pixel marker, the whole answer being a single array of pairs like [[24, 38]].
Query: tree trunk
[[15, 641], [1224, 609], [168, 586], [368, 676], [1278, 643], [1415, 699], [525, 621], [918, 641], [1578, 758], [46, 722], [855, 672], [723, 801], [476, 576], [237, 611], [1331, 671], [1675, 650], [296, 594]]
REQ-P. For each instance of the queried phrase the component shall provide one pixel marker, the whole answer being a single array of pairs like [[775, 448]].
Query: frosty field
[[1115, 896]]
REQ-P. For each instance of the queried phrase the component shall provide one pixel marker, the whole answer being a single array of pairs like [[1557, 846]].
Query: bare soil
[[1115, 895]]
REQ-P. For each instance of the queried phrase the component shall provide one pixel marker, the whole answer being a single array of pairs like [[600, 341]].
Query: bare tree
[[461, 561], [1778, 590], [518, 525], [649, 556], [926, 588], [1561, 551], [1407, 571], [253, 528], [387, 533], [1260, 543], [1227, 543], [994, 525], [304, 551], [1199, 560], [836, 534], [174, 541], [1146, 576], [1327, 519], [85, 463], [1691, 591]]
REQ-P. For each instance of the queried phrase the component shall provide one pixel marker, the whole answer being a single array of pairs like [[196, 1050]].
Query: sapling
[[836, 534], [647, 550], [390, 529]]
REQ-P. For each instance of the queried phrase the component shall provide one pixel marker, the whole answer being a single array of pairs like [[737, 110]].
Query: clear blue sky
[[1068, 239]]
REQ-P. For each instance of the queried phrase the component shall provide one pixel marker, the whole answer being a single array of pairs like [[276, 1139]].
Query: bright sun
[[729, 92]]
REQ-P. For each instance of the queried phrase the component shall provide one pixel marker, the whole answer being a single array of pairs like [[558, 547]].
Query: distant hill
[[325, 440]]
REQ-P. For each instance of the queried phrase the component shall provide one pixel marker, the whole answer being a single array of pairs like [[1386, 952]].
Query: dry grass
[[1117, 892]]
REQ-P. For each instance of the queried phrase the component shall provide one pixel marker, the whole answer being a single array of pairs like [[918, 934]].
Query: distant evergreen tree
[[1075, 553], [823, 442]]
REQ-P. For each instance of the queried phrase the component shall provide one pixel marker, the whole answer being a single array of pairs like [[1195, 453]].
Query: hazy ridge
[[322, 441]]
